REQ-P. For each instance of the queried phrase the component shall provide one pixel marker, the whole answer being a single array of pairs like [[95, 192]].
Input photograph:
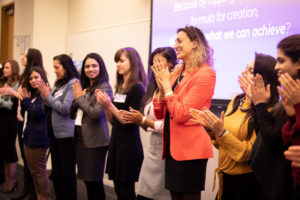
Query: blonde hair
[[203, 52]]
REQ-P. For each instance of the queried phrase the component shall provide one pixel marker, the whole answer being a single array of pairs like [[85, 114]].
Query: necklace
[[180, 77], [242, 100], [120, 89]]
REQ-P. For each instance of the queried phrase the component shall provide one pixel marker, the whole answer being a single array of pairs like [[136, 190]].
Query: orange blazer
[[188, 140]]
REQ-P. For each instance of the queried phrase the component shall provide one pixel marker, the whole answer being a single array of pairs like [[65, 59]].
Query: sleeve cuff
[[260, 109], [158, 126], [48, 97], [79, 100], [27, 99], [297, 107]]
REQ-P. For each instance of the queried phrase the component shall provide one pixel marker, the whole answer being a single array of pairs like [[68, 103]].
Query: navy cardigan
[[35, 135]]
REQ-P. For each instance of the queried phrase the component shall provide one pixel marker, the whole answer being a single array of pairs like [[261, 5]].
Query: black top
[[8, 131], [271, 169], [167, 122], [125, 155]]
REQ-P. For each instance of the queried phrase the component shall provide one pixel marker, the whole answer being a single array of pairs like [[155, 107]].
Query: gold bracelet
[[143, 120]]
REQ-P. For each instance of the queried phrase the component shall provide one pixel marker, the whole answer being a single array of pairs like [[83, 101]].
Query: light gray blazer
[[62, 124], [94, 126]]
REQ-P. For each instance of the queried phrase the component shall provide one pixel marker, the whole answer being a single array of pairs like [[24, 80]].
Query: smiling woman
[[269, 153], [234, 134], [288, 66], [91, 129], [58, 69], [36, 141], [91, 68], [191, 85], [31, 58]]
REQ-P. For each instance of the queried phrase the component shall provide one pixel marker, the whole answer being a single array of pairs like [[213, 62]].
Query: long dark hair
[[34, 58], [71, 72], [34, 92], [291, 48], [263, 65], [14, 76], [170, 55], [102, 77], [137, 75]]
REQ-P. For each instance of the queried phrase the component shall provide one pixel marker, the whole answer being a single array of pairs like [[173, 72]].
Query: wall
[[23, 26], [50, 22], [103, 28], [92, 14]]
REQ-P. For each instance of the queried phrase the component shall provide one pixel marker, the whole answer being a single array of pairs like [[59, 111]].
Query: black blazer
[[272, 170], [35, 131]]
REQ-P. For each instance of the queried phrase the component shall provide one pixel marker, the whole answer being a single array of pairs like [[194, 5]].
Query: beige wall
[[23, 26], [101, 27], [86, 15], [50, 22]]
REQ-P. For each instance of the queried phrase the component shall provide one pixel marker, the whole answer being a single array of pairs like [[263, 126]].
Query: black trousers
[[140, 197], [244, 186], [63, 168], [2, 176], [125, 190], [185, 195], [297, 191], [95, 190]]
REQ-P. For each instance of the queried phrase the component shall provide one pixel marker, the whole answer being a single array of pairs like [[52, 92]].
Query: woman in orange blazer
[[186, 145]]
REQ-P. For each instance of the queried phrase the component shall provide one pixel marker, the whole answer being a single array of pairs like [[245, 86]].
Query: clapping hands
[[77, 90], [162, 76], [290, 93], [132, 116], [43, 88], [209, 120], [255, 89], [103, 99]]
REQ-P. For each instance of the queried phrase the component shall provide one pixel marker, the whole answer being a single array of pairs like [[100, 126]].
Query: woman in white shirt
[[152, 177]]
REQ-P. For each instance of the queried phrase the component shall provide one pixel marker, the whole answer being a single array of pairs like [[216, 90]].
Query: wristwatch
[[225, 132]]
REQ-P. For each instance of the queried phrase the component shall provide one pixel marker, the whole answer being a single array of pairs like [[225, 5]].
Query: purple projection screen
[[235, 29]]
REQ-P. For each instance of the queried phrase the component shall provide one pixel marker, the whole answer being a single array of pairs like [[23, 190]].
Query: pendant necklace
[[180, 77], [242, 100]]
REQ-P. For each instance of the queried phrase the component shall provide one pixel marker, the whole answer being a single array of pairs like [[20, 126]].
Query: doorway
[[7, 32]]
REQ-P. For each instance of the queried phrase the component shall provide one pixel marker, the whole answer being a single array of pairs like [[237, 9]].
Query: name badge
[[120, 98], [58, 94]]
